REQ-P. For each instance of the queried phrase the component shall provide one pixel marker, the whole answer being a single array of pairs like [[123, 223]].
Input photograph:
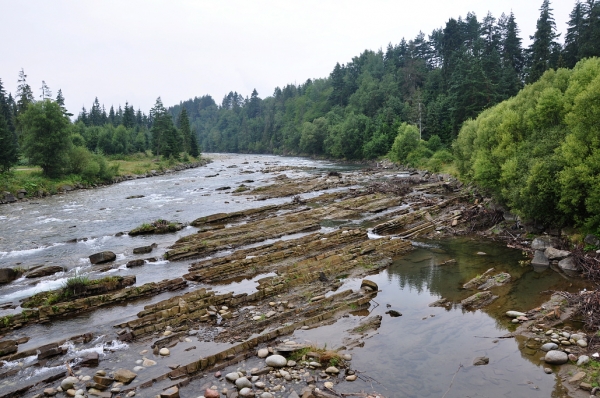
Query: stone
[[293, 394], [102, 257], [148, 362], [270, 314], [481, 361], [328, 385], [332, 369], [50, 392], [577, 377], [90, 360], [44, 271], [124, 376], [555, 357], [543, 242], [369, 283], [259, 384], [210, 393], [8, 275], [547, 370], [393, 313], [540, 260], [172, 392], [232, 377], [144, 249], [243, 382], [276, 361], [549, 347], [164, 352], [8, 347], [592, 240], [346, 357], [68, 383], [583, 360], [568, 265], [351, 377], [514, 314], [555, 254], [585, 386], [266, 395], [135, 263], [246, 392], [291, 364]]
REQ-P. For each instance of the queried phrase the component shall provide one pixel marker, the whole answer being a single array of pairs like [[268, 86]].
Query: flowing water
[[416, 355]]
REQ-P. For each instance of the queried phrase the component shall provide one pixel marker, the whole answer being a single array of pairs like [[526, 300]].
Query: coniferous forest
[[469, 94]]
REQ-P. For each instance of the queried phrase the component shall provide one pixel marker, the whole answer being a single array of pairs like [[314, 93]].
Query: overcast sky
[[138, 50]]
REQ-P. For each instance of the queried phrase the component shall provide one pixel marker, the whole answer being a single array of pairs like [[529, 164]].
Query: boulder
[[44, 271], [555, 254], [555, 357], [549, 347], [102, 257], [542, 242], [9, 197], [68, 383], [135, 263], [568, 265], [124, 376], [481, 361], [8, 275], [144, 249], [540, 259]]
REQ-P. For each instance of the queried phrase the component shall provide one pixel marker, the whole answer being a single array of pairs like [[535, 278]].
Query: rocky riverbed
[[287, 297]]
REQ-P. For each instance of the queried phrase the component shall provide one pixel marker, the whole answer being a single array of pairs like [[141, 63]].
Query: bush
[[406, 141]]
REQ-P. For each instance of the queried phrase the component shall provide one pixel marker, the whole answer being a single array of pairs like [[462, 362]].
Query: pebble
[[328, 384], [582, 343], [167, 333], [351, 377], [572, 357], [138, 368], [148, 362], [547, 370], [332, 369], [314, 364], [164, 352], [346, 357], [263, 353], [67, 383], [260, 384], [242, 383], [257, 318], [291, 364], [210, 393], [276, 361], [266, 395], [549, 346], [132, 394], [233, 376]]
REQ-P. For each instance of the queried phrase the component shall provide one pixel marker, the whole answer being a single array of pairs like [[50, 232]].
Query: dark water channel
[[415, 355]]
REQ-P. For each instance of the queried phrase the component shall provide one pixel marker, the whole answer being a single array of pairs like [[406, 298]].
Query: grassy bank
[[32, 180]]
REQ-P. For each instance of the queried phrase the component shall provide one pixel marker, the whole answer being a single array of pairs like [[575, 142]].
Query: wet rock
[[549, 347], [124, 376], [481, 361], [555, 357], [164, 352], [478, 300], [246, 392], [540, 260], [547, 371], [50, 392], [44, 271], [592, 240], [332, 370], [266, 395], [144, 249], [233, 376], [8, 275], [148, 362], [276, 361], [351, 377], [393, 313], [555, 254], [135, 263], [172, 392], [102, 257], [48, 350], [585, 386]]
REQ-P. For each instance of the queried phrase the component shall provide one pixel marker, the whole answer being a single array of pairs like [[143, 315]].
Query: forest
[[435, 82]]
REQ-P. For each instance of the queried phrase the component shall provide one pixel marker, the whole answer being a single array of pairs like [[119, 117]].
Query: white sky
[[137, 50]]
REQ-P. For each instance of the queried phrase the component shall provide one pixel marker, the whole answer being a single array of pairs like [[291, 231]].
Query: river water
[[416, 355]]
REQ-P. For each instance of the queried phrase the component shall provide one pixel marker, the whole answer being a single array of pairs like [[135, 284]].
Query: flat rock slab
[[44, 271]]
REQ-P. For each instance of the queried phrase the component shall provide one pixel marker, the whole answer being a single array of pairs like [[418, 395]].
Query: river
[[416, 355]]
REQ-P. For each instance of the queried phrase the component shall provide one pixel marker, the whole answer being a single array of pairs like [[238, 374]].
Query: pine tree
[[24, 93], [589, 45], [544, 46], [9, 150], [165, 137], [573, 36], [60, 100], [46, 92], [184, 126], [128, 116], [95, 115], [512, 58], [194, 149], [111, 116]]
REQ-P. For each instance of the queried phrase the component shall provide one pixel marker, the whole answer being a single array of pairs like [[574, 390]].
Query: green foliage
[[539, 152], [406, 141], [46, 136]]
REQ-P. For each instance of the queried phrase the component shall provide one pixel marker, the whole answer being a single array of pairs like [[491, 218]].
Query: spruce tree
[[194, 149], [589, 45], [46, 92], [184, 126], [24, 93], [543, 49], [9, 154], [60, 100]]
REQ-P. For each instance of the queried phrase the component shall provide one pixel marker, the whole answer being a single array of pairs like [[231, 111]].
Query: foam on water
[[25, 252], [40, 287]]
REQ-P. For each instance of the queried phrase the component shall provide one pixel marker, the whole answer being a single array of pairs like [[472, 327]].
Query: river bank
[[289, 257], [21, 187]]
